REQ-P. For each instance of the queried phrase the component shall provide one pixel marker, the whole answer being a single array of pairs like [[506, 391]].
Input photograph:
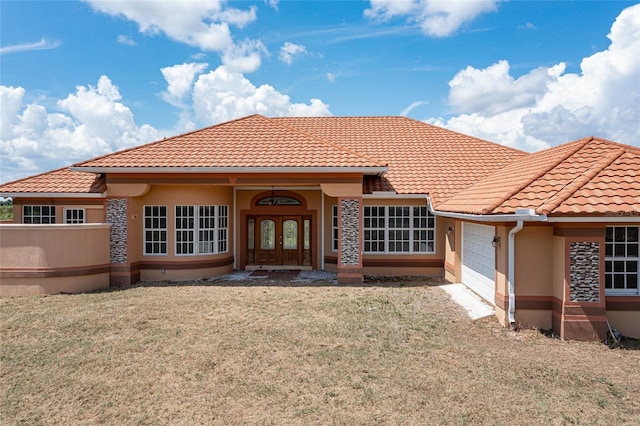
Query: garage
[[478, 259]]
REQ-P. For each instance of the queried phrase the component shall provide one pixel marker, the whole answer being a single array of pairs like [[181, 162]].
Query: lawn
[[265, 352]]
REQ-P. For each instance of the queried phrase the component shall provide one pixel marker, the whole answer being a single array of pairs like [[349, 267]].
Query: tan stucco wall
[[54, 246], [534, 261], [47, 259], [10, 287], [627, 322]]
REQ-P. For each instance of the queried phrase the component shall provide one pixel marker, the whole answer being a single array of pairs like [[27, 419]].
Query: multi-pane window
[[398, 229], [374, 229], [622, 260], [155, 230], [334, 228], [38, 214], [201, 229], [74, 216], [206, 229], [185, 230]]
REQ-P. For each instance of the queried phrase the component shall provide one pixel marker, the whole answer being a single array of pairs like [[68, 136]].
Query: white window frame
[[383, 224], [161, 231], [185, 230], [222, 220], [621, 265], [203, 230], [40, 216], [334, 228], [78, 215]]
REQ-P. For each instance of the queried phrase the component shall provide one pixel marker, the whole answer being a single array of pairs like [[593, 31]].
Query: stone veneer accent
[[584, 272], [350, 229], [117, 217]]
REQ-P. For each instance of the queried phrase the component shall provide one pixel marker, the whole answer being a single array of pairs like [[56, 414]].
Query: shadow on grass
[[624, 343]]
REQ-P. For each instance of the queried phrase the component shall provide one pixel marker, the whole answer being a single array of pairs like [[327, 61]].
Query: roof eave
[[53, 194], [373, 170]]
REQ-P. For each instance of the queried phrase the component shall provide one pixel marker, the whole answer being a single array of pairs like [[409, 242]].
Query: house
[[550, 239]]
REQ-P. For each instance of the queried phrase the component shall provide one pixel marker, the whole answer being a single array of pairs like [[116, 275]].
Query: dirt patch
[[236, 352]]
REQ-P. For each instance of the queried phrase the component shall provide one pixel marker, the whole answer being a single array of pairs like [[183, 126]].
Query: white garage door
[[478, 259]]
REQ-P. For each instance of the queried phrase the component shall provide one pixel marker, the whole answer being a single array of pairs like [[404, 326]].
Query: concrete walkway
[[475, 306]]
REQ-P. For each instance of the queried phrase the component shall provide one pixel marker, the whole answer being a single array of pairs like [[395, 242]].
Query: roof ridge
[[165, 139], [581, 143], [553, 201], [332, 144]]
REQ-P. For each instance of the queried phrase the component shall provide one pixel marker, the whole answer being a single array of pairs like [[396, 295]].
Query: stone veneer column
[[350, 240], [117, 217], [121, 273], [583, 311]]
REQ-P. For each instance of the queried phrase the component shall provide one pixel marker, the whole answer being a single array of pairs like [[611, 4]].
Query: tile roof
[[588, 176], [422, 158], [253, 141], [58, 181]]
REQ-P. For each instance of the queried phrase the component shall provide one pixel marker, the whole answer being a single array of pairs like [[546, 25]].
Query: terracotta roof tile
[[589, 176], [422, 158], [57, 181], [253, 141]]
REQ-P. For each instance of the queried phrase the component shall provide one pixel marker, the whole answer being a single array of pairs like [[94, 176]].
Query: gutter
[[520, 216], [511, 276]]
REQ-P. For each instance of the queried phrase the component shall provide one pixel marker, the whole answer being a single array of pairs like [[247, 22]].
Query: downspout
[[512, 273]]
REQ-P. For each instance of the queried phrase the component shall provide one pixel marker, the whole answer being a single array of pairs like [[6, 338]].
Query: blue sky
[[81, 79]]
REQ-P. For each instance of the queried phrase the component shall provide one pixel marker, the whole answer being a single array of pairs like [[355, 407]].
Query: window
[[374, 229], [74, 216], [398, 229], [621, 260], [223, 225], [334, 228], [38, 214], [155, 230], [201, 230], [185, 230]]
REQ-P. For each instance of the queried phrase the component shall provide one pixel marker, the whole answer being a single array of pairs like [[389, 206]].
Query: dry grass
[[251, 353]]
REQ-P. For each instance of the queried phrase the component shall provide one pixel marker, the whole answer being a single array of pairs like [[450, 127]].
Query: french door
[[279, 240]]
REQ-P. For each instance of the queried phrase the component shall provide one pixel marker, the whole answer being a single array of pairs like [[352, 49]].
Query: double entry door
[[279, 240]]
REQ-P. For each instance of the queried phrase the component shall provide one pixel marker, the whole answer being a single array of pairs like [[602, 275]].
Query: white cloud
[[413, 106], [203, 24], [272, 3], [290, 50], [180, 80], [124, 39], [547, 106], [43, 44], [223, 95], [436, 18], [89, 122], [331, 77]]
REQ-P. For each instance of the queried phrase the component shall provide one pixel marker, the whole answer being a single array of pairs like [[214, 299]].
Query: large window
[[74, 215], [201, 229], [398, 229], [622, 260], [155, 230], [38, 214]]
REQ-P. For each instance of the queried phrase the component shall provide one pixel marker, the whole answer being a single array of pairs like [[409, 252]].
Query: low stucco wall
[[49, 259]]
